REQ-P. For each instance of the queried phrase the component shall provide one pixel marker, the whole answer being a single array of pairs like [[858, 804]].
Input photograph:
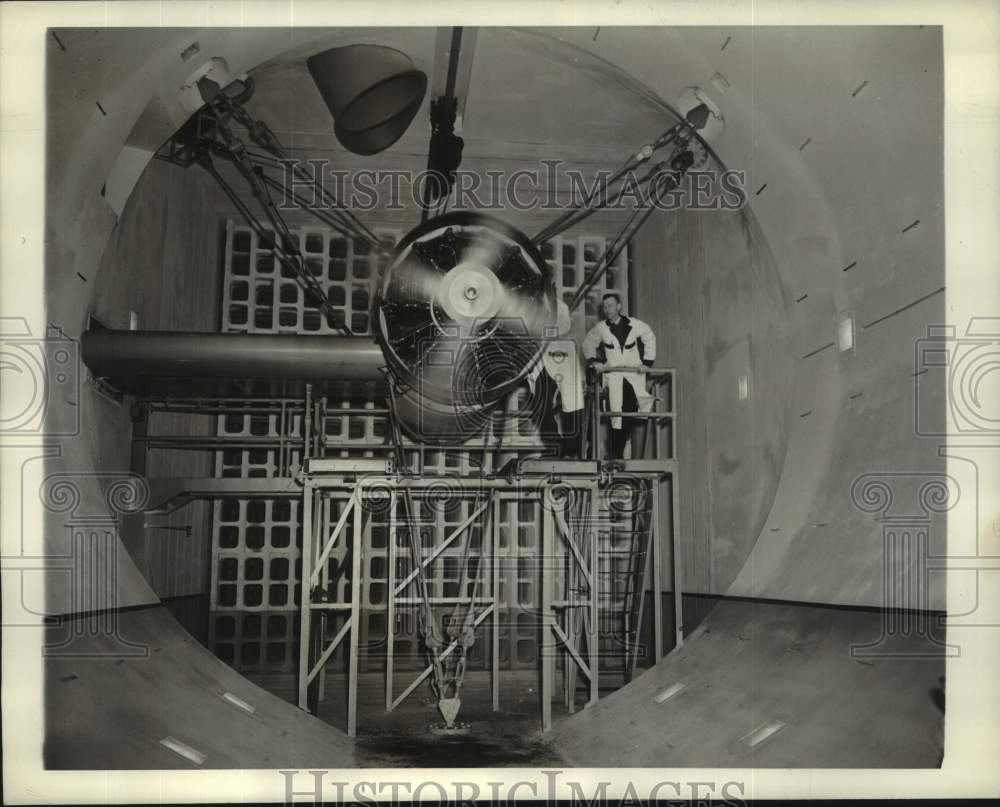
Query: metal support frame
[[319, 546], [651, 536], [577, 568], [660, 378], [495, 588], [397, 589], [678, 569], [569, 622], [569, 547], [315, 554], [546, 650]]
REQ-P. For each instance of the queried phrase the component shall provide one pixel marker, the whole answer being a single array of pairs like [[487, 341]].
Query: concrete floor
[[112, 698], [404, 738], [750, 664], [777, 685]]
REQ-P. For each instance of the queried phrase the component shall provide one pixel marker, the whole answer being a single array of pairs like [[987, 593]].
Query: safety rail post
[[495, 594], [657, 584], [594, 626], [321, 519], [357, 548], [677, 567], [390, 620], [305, 597], [546, 657]]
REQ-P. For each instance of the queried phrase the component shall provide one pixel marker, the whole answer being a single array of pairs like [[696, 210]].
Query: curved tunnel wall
[[708, 285], [844, 170], [155, 679], [100, 83], [109, 91], [838, 171]]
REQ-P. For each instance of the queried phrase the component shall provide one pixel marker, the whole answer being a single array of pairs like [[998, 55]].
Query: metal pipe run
[[111, 354]]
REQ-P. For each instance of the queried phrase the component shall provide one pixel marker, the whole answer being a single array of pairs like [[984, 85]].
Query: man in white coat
[[559, 376], [620, 341]]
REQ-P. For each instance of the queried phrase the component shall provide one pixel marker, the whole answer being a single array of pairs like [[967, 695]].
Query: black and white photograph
[[391, 394]]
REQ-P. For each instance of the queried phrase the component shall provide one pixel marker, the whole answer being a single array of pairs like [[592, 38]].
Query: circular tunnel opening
[[762, 424]]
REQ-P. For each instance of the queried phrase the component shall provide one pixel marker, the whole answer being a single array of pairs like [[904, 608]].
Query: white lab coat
[[562, 362], [627, 355]]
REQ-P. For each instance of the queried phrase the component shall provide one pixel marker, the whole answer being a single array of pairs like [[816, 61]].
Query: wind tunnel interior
[[812, 493]]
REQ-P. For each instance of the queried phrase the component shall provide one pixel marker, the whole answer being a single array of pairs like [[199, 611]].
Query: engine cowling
[[461, 315]]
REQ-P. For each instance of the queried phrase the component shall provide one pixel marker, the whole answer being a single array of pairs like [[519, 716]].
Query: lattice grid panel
[[257, 542]]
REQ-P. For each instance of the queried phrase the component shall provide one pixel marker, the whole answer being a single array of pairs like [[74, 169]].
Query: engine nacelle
[[461, 315]]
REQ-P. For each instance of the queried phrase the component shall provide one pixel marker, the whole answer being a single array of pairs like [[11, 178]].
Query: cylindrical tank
[[168, 353], [169, 363]]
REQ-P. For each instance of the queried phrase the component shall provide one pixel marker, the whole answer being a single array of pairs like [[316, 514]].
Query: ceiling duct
[[373, 93]]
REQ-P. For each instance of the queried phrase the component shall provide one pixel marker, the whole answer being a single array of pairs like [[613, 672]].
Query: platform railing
[[657, 378]]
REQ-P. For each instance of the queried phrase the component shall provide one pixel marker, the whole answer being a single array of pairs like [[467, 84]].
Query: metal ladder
[[624, 568]]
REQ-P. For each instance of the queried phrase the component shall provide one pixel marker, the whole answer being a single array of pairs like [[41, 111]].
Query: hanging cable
[[426, 623], [679, 135]]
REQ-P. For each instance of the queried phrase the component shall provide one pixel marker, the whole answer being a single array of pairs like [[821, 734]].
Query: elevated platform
[[529, 466], [170, 493]]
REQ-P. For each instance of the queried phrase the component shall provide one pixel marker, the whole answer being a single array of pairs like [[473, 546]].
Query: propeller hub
[[470, 294]]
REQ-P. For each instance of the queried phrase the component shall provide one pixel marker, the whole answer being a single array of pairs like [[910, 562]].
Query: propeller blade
[[527, 310], [485, 250], [413, 281]]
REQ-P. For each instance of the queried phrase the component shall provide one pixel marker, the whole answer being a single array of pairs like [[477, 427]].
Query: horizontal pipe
[[272, 404], [236, 441], [197, 443], [111, 354], [262, 411]]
